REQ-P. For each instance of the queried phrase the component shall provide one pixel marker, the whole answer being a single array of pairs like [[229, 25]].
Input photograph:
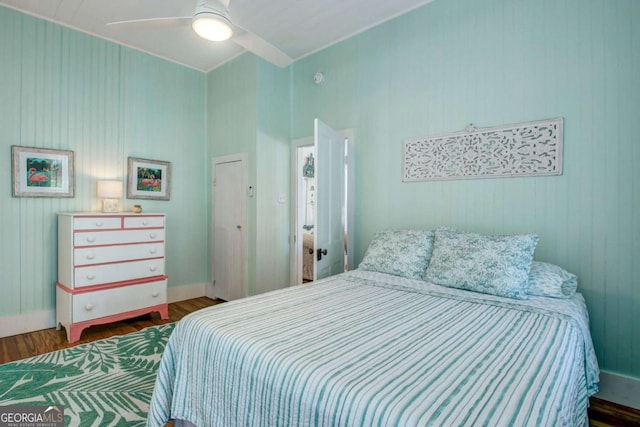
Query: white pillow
[[495, 265], [403, 253], [550, 280]]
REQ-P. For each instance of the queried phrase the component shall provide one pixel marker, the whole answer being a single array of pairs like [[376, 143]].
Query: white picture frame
[[148, 179], [42, 172]]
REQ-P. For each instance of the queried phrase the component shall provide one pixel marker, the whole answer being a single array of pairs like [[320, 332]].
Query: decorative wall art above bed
[[524, 149]]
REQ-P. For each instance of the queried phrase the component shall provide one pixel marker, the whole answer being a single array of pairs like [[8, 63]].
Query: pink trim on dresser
[[75, 329], [145, 228], [85, 289], [121, 228], [119, 216], [117, 262], [146, 242]]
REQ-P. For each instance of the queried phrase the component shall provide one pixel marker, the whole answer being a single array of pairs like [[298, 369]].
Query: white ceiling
[[296, 27]]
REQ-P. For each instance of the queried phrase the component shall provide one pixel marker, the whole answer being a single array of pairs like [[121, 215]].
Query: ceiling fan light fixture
[[212, 26]]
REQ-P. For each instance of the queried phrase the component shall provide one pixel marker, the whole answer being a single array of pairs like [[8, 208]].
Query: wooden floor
[[601, 412], [33, 343], [607, 414]]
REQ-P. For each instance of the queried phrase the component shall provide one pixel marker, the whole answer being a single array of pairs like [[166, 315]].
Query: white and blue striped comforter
[[369, 349]]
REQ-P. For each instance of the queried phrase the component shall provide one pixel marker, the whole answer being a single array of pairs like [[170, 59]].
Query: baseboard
[[181, 293], [619, 389], [22, 323]]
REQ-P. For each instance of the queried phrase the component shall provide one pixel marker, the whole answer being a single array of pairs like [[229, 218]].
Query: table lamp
[[110, 192]]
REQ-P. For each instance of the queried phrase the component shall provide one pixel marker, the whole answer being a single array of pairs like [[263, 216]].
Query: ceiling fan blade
[[173, 21], [260, 47]]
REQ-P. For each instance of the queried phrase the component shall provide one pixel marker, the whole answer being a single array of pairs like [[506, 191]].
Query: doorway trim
[[294, 262], [243, 159], [294, 241]]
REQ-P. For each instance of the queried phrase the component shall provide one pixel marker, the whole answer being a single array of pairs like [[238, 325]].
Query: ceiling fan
[[211, 21]]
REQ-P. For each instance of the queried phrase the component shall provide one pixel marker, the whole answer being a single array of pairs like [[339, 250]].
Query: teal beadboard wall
[[495, 62], [62, 89], [231, 128], [248, 103]]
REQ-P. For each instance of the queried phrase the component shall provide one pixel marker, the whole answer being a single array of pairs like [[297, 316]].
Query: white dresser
[[110, 268]]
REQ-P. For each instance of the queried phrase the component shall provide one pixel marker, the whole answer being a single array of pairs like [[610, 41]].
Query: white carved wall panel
[[524, 149]]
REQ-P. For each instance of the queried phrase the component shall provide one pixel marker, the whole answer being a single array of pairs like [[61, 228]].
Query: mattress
[[365, 348]]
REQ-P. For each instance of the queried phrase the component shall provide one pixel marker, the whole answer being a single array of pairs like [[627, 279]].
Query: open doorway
[[306, 201], [305, 207]]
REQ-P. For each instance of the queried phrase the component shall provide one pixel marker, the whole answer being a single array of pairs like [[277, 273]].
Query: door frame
[[295, 256], [243, 159], [294, 262]]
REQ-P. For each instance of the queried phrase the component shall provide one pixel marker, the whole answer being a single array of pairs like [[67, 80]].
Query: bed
[[372, 348]]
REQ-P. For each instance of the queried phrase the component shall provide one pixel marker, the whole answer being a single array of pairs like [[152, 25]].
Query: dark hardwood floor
[[601, 412], [607, 414]]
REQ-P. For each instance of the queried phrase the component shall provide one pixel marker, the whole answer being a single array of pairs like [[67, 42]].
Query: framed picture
[[148, 179], [42, 172]]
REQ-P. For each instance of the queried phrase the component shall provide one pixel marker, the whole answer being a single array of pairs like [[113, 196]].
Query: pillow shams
[[404, 253], [496, 265], [550, 280]]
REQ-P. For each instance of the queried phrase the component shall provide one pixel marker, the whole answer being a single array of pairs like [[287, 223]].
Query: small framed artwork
[[148, 179], [42, 172]]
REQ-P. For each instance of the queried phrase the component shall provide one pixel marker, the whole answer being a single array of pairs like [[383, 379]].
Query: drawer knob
[[91, 239], [91, 256], [145, 222], [155, 294], [153, 250], [91, 276], [99, 224], [153, 268], [153, 235], [88, 307]]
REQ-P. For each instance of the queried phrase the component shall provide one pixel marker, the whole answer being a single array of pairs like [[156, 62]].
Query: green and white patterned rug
[[102, 383]]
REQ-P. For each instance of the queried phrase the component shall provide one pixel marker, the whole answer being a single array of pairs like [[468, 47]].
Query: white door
[[229, 223], [329, 235]]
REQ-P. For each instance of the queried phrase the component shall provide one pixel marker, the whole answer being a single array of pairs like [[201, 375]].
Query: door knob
[[320, 252]]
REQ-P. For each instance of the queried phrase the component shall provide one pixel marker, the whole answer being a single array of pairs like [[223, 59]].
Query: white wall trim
[[22, 323], [184, 292], [619, 389], [295, 274], [29, 322]]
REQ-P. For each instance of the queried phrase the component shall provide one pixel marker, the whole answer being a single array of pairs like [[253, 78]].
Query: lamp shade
[[109, 189], [212, 26]]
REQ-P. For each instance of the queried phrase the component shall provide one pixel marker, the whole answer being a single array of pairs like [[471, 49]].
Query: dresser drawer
[[93, 305], [104, 254], [97, 223], [143, 221], [97, 238], [100, 274]]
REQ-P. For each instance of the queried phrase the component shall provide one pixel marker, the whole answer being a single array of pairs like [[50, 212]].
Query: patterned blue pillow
[[403, 253], [496, 265], [550, 280]]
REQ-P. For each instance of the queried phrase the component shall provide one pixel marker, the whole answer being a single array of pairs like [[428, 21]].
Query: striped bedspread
[[369, 349]]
